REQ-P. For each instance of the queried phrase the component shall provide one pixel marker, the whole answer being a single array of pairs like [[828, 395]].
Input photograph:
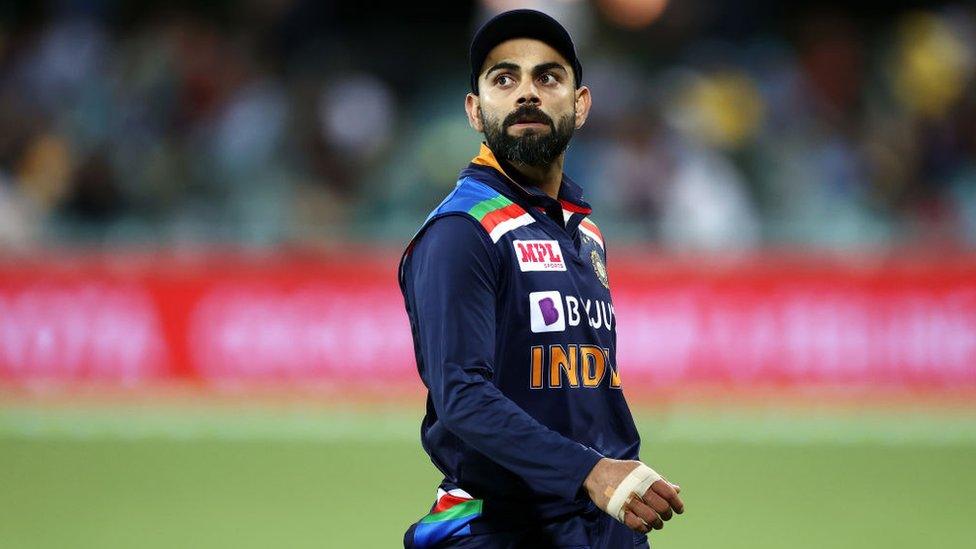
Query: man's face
[[528, 103]]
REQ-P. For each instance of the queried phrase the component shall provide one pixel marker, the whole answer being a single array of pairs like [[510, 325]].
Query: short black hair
[[522, 23]]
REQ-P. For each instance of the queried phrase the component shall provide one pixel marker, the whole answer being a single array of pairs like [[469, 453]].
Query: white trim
[[592, 235], [459, 493], [456, 492], [510, 224]]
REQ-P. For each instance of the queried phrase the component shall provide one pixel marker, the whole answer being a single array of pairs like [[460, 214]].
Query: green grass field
[[138, 478]]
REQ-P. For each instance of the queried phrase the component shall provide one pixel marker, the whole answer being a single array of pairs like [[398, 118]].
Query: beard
[[532, 148]]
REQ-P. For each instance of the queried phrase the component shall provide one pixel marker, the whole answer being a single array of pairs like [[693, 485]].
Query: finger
[[658, 504], [635, 523], [664, 489], [644, 511], [655, 524]]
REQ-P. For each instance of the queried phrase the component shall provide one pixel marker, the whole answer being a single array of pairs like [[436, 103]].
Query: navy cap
[[521, 23]]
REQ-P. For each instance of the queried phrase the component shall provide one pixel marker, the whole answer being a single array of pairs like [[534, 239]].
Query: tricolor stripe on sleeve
[[590, 229], [496, 213], [499, 215], [451, 516]]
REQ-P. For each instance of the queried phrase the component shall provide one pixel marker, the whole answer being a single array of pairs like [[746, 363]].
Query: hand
[[644, 511]]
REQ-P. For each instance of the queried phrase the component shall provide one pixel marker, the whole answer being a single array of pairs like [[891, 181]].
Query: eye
[[503, 80], [547, 78]]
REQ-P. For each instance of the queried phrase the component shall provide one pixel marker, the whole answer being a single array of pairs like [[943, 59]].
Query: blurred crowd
[[715, 126]]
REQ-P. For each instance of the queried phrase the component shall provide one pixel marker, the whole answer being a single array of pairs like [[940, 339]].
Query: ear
[[583, 103], [472, 106]]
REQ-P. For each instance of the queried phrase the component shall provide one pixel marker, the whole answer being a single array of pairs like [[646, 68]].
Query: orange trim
[[487, 158]]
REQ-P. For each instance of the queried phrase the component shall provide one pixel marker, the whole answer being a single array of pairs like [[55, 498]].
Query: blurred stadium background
[[202, 205]]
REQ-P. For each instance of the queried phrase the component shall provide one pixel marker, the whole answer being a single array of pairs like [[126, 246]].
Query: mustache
[[528, 114]]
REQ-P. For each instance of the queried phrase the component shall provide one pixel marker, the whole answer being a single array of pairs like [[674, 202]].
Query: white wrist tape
[[637, 482]]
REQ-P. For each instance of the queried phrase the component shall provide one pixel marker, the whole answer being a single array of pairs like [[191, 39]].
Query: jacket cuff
[[588, 459]]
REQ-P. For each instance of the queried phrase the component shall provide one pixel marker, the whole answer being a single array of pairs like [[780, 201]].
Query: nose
[[528, 95]]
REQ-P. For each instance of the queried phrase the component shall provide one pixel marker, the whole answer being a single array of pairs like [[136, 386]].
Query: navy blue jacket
[[514, 331]]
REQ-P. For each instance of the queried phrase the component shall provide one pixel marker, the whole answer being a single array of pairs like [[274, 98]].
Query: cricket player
[[508, 296]]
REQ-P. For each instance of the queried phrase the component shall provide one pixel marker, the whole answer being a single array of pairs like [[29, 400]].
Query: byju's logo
[[546, 312]]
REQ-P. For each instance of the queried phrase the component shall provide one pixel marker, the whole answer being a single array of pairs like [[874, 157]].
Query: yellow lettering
[[535, 379], [614, 376], [563, 360], [594, 365]]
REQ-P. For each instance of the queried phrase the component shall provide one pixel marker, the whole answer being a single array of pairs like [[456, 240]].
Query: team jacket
[[514, 332]]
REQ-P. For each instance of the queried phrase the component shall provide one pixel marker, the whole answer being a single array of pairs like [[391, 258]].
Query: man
[[507, 292]]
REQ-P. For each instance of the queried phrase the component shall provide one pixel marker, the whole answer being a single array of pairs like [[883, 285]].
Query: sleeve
[[453, 279]]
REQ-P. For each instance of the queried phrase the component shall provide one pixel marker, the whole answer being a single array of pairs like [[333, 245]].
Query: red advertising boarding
[[132, 320]]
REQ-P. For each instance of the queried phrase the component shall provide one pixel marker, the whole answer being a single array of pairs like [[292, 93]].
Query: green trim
[[483, 208], [471, 507]]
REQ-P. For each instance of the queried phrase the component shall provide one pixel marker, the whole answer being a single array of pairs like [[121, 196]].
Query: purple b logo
[[549, 312], [546, 312]]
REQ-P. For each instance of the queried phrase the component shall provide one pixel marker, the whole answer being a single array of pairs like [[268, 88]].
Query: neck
[[545, 178]]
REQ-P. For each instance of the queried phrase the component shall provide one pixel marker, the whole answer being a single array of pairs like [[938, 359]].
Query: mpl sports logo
[[539, 255]]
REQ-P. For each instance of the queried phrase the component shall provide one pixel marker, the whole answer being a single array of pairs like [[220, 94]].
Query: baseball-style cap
[[523, 23]]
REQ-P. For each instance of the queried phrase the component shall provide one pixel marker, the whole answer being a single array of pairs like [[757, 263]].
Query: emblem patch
[[600, 269], [546, 312], [539, 255]]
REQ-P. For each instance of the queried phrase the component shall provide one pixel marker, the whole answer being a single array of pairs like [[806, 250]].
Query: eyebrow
[[537, 70]]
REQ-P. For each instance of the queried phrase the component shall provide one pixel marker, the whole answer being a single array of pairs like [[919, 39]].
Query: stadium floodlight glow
[[632, 14]]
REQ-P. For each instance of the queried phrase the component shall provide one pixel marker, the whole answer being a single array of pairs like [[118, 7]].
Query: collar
[[570, 196]]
